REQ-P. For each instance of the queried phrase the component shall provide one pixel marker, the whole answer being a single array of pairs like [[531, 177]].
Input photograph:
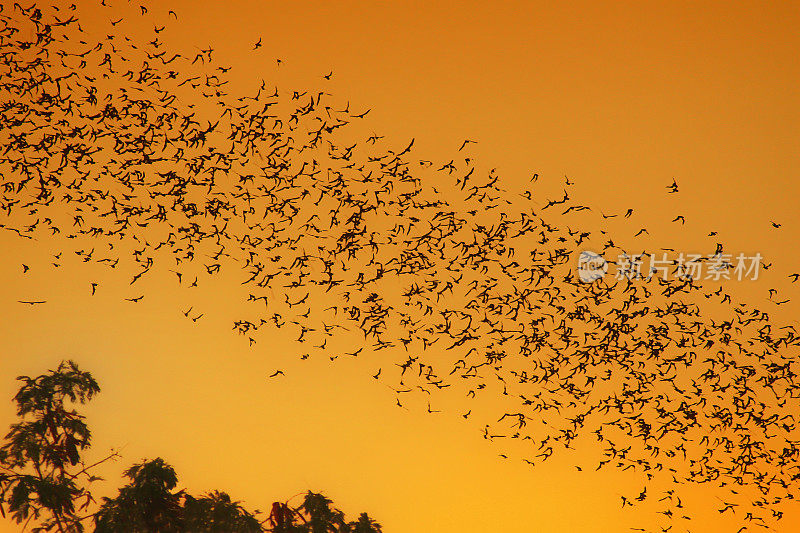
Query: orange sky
[[619, 96]]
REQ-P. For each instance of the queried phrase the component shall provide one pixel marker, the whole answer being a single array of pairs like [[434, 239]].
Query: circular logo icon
[[591, 267]]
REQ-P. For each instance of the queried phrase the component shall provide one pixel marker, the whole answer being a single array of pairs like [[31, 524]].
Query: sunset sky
[[620, 97]]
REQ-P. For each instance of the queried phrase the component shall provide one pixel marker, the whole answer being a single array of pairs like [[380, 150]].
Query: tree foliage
[[40, 460], [44, 480], [215, 512], [145, 504]]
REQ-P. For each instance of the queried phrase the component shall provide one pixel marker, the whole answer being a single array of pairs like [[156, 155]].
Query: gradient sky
[[622, 97]]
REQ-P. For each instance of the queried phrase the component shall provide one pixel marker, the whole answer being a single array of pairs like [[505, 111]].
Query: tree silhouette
[[317, 515], [365, 524], [145, 504], [217, 513], [322, 517], [44, 480], [40, 461]]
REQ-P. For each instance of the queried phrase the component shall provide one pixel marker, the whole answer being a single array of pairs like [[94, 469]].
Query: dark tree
[[215, 512], [146, 504], [365, 524], [322, 518], [40, 461], [317, 515], [44, 480]]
